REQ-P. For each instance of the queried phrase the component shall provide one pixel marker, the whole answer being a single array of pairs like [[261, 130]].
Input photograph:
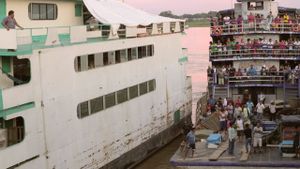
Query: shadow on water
[[160, 160]]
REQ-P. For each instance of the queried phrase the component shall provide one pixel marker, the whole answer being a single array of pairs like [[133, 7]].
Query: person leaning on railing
[[10, 22]]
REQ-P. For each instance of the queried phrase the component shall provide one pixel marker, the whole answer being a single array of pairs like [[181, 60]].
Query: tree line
[[189, 16]]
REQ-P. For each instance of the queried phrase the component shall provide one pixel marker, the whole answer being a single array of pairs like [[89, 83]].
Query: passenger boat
[[89, 84], [254, 54]]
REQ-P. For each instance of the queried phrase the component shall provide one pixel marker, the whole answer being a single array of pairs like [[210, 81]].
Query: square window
[[122, 96], [143, 88], [134, 91], [152, 85], [83, 109], [110, 100], [97, 105]]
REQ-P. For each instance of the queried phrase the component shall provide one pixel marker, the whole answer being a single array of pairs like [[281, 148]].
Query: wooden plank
[[244, 156], [216, 154], [279, 146]]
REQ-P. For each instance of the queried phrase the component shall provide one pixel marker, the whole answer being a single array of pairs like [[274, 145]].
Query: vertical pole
[[214, 85], [299, 87], [228, 87], [284, 90]]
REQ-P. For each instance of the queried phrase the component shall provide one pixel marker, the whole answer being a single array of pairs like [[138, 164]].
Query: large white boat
[[86, 96]]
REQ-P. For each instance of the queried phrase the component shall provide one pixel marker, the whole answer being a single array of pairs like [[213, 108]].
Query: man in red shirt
[[251, 19]]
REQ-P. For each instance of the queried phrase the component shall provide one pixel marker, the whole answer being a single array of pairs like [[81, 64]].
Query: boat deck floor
[[270, 157]]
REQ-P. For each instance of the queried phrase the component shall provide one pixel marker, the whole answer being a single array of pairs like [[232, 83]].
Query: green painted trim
[[183, 59], [23, 107], [6, 64], [2, 11], [39, 39], [1, 100], [78, 10]]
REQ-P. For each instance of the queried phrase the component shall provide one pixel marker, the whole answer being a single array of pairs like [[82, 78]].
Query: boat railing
[[268, 52], [263, 26], [21, 42], [261, 77]]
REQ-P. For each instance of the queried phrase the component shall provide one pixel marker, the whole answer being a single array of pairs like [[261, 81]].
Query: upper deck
[[63, 22], [255, 17]]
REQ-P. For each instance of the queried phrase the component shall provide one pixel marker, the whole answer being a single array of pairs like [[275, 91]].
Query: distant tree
[[189, 16]]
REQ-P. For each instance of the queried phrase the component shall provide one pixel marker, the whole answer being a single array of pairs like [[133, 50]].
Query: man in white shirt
[[272, 111], [240, 128], [225, 102], [231, 138], [260, 109], [257, 141]]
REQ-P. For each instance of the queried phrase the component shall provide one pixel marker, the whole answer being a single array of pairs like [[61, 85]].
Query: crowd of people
[[221, 75], [261, 46], [258, 21], [241, 118]]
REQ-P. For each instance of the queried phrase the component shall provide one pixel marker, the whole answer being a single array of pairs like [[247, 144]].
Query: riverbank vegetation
[[192, 20]]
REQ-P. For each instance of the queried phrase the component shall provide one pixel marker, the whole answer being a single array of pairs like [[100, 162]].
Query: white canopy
[[114, 12]]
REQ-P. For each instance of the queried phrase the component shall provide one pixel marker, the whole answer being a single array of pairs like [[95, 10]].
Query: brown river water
[[197, 41]]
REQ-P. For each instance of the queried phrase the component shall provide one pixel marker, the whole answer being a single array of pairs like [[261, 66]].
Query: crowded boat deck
[[205, 158]]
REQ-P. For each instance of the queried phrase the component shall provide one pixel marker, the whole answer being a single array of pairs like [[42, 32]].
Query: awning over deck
[[115, 12]]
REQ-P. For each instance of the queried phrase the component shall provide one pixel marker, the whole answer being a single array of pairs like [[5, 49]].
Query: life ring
[[295, 28], [217, 30]]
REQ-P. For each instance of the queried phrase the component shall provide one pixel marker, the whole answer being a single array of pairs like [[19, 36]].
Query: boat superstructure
[[254, 56], [76, 93], [268, 43]]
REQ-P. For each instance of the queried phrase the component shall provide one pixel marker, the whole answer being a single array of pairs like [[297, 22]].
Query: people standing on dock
[[231, 137], [222, 118], [212, 102], [272, 108], [240, 128], [248, 137], [257, 141], [191, 141], [250, 106], [260, 110], [237, 111], [296, 142]]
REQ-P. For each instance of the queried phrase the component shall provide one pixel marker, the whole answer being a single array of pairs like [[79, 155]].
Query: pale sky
[[194, 6]]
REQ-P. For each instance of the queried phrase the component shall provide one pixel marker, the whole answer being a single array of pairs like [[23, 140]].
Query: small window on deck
[[83, 109], [150, 50], [42, 11], [91, 61], [152, 85], [118, 56], [110, 100], [143, 88], [122, 95], [11, 132], [142, 52], [105, 58], [134, 91], [96, 105], [123, 55], [257, 5]]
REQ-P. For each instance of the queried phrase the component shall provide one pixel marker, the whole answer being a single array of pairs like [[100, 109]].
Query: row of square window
[[98, 104], [86, 62]]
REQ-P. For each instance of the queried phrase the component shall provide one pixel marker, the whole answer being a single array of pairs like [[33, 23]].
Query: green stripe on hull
[[2, 11], [17, 109]]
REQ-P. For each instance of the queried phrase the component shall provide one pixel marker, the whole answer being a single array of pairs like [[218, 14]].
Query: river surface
[[196, 41]]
